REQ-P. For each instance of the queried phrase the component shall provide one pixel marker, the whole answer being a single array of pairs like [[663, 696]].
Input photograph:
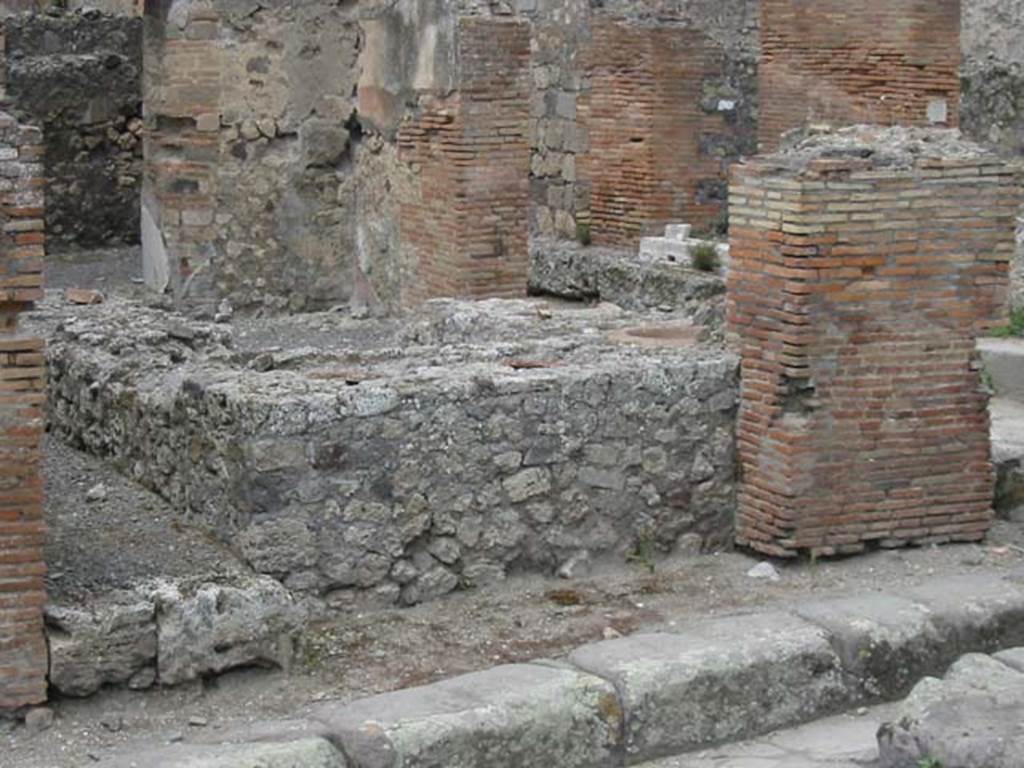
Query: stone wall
[[396, 462], [23, 656], [863, 265], [992, 112], [79, 76], [248, 191], [882, 61]]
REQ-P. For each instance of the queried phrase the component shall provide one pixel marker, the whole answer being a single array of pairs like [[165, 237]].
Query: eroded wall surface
[[993, 90], [23, 654], [248, 151], [79, 76]]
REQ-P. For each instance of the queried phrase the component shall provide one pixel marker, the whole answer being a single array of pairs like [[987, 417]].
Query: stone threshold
[[626, 701]]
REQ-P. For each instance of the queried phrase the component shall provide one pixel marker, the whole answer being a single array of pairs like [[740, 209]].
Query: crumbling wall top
[[869, 147]]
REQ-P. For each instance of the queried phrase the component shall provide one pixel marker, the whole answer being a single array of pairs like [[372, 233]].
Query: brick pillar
[[464, 221], [856, 290], [875, 61], [643, 111], [23, 655]]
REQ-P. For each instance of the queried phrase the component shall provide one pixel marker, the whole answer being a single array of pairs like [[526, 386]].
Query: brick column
[[464, 221], [23, 655], [856, 290]]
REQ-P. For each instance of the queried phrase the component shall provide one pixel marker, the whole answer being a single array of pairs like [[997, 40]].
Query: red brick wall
[[840, 62], [642, 111], [465, 223], [23, 655], [856, 295]]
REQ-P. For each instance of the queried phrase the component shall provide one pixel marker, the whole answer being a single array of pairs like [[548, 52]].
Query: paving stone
[[1013, 658], [886, 643], [307, 753], [718, 681], [507, 717], [973, 718], [984, 613]]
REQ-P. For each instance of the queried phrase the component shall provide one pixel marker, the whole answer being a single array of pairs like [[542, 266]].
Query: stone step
[[1004, 362], [1008, 455]]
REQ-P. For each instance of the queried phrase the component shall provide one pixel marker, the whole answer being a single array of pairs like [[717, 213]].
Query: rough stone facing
[[863, 266], [484, 436], [22, 380], [79, 77]]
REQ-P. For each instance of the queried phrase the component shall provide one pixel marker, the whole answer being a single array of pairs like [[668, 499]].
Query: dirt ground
[[133, 535]]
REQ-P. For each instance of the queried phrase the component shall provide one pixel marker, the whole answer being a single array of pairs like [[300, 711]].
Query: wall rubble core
[[23, 654], [397, 460], [864, 265]]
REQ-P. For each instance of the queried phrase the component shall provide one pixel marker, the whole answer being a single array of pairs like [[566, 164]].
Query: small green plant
[[704, 257], [929, 762], [583, 232], [643, 552], [1016, 326]]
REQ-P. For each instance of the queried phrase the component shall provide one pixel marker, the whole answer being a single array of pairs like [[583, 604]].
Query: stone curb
[[634, 699]]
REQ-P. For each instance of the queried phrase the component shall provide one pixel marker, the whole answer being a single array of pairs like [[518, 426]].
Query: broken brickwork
[[879, 61], [23, 656], [862, 268], [464, 221]]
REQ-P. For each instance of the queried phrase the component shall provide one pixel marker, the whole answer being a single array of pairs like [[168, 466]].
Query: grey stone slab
[[1013, 658], [507, 717], [886, 643], [307, 753], [984, 613], [718, 681], [973, 718]]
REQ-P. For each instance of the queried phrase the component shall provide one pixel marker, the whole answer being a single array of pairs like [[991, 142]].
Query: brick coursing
[[652, 157], [856, 293], [877, 61], [464, 221], [23, 655]]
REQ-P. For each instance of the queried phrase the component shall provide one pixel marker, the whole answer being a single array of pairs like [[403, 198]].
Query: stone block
[[305, 753], [507, 717], [984, 613], [722, 680], [886, 643], [973, 718]]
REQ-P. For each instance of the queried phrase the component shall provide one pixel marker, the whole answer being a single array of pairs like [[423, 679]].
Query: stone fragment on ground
[[971, 718], [223, 627], [107, 643]]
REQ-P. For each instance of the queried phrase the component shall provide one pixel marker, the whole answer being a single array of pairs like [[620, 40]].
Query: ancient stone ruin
[[428, 295]]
